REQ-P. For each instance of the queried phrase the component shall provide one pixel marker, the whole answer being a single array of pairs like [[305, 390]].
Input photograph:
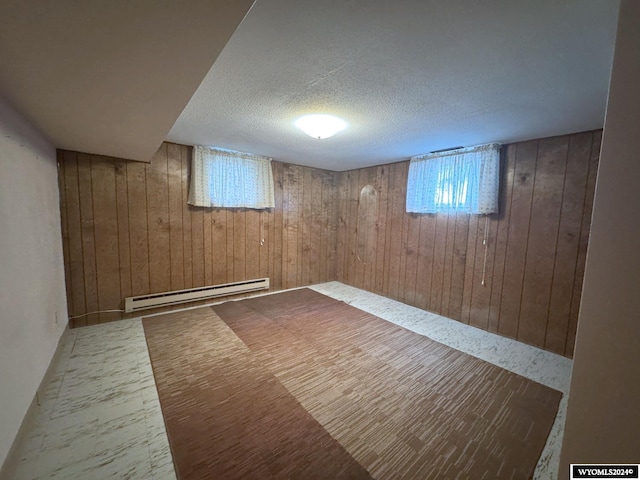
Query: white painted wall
[[32, 285], [603, 418]]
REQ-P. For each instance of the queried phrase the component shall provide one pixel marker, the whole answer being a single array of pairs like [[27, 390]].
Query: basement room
[[319, 240]]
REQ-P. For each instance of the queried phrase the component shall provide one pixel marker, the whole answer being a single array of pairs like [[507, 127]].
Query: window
[[222, 178], [464, 180]]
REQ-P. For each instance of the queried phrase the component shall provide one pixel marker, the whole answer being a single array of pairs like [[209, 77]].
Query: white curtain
[[465, 180], [221, 178]]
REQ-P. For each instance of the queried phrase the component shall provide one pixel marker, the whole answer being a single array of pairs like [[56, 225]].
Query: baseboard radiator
[[155, 300]]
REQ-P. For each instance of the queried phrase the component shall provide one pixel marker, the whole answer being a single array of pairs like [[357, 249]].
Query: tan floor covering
[[399, 404]]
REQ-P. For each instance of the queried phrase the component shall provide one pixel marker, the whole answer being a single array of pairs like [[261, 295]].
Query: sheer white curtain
[[221, 178], [465, 180]]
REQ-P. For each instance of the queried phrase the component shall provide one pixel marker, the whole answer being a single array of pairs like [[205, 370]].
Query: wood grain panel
[[276, 237], [175, 199], [543, 234], [291, 226], [185, 155], [458, 267], [382, 186], [103, 181], [517, 238], [138, 233], [218, 246], [305, 239], [352, 225], [158, 222], [122, 209], [207, 228], [129, 231], [564, 269], [448, 264], [395, 239], [507, 173], [197, 245], [425, 260], [341, 232], [470, 262], [87, 229], [64, 230], [585, 228], [534, 256], [144, 226], [438, 265], [411, 260], [252, 244], [73, 231]]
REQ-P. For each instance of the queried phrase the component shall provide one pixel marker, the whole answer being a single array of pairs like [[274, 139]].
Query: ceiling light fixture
[[320, 125]]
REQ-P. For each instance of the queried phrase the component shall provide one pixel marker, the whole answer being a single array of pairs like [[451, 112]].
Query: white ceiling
[[409, 76], [109, 76]]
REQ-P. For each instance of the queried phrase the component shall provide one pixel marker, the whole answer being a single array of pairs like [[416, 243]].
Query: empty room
[[319, 240]]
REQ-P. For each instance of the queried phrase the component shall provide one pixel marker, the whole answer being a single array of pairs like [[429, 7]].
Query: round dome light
[[320, 125]]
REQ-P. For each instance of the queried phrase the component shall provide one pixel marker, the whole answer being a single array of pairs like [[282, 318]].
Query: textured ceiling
[[409, 76], [109, 76]]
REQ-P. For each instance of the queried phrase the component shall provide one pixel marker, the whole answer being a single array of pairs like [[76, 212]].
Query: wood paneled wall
[[536, 244], [127, 230]]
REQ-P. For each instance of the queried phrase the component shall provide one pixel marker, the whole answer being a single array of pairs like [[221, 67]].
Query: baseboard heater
[[155, 300]]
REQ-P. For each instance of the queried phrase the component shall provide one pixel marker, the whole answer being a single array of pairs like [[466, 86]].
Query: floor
[[100, 416]]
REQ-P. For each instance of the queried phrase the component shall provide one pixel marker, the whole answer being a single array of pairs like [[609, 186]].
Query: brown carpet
[[227, 417], [401, 405]]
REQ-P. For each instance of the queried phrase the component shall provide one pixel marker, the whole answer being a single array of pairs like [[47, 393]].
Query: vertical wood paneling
[[277, 236], [291, 225], [352, 225], [327, 197], [239, 245], [64, 226], [158, 222], [361, 234], [129, 231], [535, 250], [88, 237], [197, 245], [122, 210], [75, 259], [252, 244], [305, 233], [425, 260], [458, 266], [138, 235], [392, 271], [382, 186], [470, 262], [517, 237], [564, 269], [219, 245], [265, 229], [448, 264], [341, 233], [543, 234], [176, 232], [207, 229], [507, 172], [315, 225], [411, 260], [438, 265], [585, 228], [187, 238], [103, 181]]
